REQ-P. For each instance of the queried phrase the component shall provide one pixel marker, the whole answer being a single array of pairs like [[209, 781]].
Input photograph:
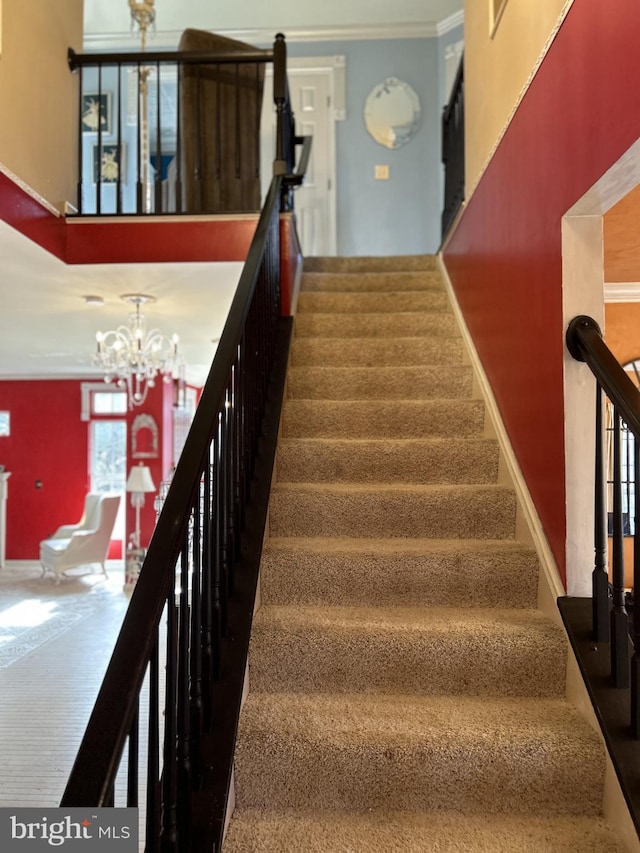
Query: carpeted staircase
[[405, 694]]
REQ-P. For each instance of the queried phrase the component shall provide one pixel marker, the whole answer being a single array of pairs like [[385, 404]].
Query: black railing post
[[453, 151], [600, 578], [280, 100]]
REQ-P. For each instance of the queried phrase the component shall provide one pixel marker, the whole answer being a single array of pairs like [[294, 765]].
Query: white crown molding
[[450, 23], [622, 291], [162, 39]]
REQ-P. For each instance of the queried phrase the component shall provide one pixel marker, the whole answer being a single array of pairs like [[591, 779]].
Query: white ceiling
[[107, 23], [46, 329]]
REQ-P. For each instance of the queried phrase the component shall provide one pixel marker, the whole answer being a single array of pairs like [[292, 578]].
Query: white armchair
[[85, 543]]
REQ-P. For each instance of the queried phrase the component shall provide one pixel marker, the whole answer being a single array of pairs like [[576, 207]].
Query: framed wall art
[[108, 162], [96, 112]]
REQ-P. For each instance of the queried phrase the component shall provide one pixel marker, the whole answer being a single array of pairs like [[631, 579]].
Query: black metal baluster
[[234, 484], [242, 424], [119, 149], [169, 832], [227, 501], [195, 686], [198, 154], [257, 119], [97, 164], [600, 578], [81, 162], [158, 182], [139, 187], [619, 617], [178, 155], [152, 831], [218, 567], [132, 764], [217, 195], [184, 707], [207, 594], [238, 140]]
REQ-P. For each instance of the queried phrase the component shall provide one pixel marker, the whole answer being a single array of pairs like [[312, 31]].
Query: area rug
[[34, 610]]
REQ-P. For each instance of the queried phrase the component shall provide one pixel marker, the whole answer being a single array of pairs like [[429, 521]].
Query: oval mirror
[[392, 113]]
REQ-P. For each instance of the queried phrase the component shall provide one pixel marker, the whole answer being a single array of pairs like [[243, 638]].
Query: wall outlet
[[381, 173]]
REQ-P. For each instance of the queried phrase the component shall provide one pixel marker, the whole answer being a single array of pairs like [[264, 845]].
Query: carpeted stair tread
[[371, 282], [359, 325], [256, 831], [380, 383], [398, 419], [373, 303], [379, 352], [428, 460], [459, 511], [406, 650], [467, 754], [400, 572], [370, 263]]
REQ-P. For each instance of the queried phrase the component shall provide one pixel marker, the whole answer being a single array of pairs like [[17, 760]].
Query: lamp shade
[[140, 480]]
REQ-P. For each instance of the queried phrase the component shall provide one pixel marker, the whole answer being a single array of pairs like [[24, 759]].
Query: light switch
[[381, 173]]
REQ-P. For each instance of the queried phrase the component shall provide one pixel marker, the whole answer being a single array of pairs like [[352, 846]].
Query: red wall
[[49, 443], [581, 112]]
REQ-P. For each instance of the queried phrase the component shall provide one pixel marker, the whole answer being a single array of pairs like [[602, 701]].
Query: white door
[[311, 93]]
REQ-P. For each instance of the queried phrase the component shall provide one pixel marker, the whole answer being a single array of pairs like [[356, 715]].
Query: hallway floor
[[55, 643]]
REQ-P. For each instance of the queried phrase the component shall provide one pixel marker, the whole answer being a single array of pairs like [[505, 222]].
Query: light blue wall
[[401, 215]]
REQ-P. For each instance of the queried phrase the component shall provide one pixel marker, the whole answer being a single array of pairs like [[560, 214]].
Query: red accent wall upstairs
[[580, 114]]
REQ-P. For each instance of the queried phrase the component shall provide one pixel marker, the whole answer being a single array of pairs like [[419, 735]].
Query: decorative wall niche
[[144, 438]]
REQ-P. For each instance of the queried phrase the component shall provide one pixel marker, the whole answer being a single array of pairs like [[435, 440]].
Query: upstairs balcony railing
[[175, 132]]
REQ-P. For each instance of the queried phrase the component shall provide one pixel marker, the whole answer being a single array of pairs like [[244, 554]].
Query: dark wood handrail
[[195, 57], [584, 342]]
